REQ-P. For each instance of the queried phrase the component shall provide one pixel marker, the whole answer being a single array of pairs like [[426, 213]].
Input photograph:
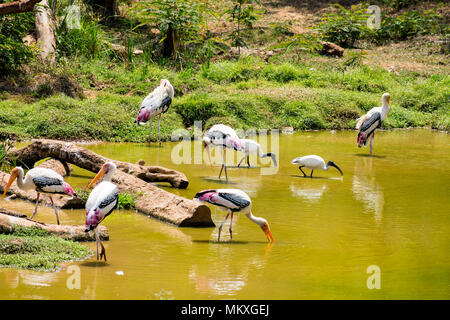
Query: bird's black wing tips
[[165, 104], [42, 182], [369, 126], [234, 199]]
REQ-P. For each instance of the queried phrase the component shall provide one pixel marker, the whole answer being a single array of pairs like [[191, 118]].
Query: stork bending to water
[[156, 103], [221, 136], [251, 146], [368, 123], [314, 162], [101, 202], [233, 201], [42, 180]]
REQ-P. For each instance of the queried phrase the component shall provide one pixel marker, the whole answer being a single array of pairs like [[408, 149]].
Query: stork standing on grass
[[368, 123], [233, 201], [314, 162], [221, 136], [251, 146], [101, 202], [42, 180], [156, 103]]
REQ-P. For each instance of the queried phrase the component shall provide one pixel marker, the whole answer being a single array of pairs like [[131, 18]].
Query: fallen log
[[89, 160], [75, 233], [130, 178], [63, 168]]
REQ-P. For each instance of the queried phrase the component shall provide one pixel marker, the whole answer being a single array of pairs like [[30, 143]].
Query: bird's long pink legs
[[56, 210], [159, 129], [221, 226], [371, 143], [150, 131], [98, 241], [37, 203], [223, 164]]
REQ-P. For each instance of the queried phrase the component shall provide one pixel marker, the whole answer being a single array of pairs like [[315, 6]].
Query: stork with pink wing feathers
[[233, 201], [221, 136], [156, 103], [42, 180]]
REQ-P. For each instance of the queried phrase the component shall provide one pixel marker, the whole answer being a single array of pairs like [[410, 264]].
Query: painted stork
[[233, 201], [156, 103], [42, 180], [314, 162], [368, 123], [101, 202], [251, 146], [221, 136]]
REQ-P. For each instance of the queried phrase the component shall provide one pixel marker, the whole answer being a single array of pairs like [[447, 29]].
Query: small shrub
[[13, 52], [344, 27]]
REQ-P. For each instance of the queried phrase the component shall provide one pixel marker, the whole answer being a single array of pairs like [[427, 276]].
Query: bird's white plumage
[[28, 184], [101, 192], [216, 136], [383, 110], [311, 162], [153, 102]]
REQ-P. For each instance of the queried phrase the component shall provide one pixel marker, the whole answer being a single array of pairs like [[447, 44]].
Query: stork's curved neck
[[20, 178], [108, 176], [259, 221]]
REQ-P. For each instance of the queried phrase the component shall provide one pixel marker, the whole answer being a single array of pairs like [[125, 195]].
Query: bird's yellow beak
[[266, 229], [13, 177], [99, 175]]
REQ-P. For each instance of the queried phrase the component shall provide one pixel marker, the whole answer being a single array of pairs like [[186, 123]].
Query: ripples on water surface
[[391, 210]]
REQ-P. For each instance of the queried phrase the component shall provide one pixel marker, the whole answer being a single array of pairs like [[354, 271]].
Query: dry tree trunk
[[89, 160], [45, 34], [17, 6], [9, 220]]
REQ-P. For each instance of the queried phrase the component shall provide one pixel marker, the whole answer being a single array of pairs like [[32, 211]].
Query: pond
[[390, 211]]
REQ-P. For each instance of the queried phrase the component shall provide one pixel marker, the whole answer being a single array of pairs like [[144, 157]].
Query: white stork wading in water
[[233, 201], [221, 136], [156, 103], [101, 202], [368, 123], [314, 162], [251, 146], [42, 180]]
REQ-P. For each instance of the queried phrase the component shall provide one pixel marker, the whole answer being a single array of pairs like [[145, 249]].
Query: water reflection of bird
[[368, 123], [314, 162], [312, 194], [233, 201], [156, 103], [251, 146], [42, 180], [101, 202], [221, 136], [367, 190], [228, 273]]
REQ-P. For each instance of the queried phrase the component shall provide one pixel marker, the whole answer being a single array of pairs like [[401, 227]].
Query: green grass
[[32, 248], [249, 93], [126, 200]]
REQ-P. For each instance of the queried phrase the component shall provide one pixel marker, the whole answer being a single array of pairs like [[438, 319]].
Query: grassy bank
[[307, 94], [30, 248]]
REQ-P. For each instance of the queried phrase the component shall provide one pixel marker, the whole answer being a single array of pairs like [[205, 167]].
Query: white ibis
[[156, 103], [314, 162], [101, 202], [221, 136], [368, 123], [233, 201], [251, 146], [42, 180]]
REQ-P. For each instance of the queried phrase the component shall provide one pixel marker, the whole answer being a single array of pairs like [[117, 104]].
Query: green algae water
[[390, 211]]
